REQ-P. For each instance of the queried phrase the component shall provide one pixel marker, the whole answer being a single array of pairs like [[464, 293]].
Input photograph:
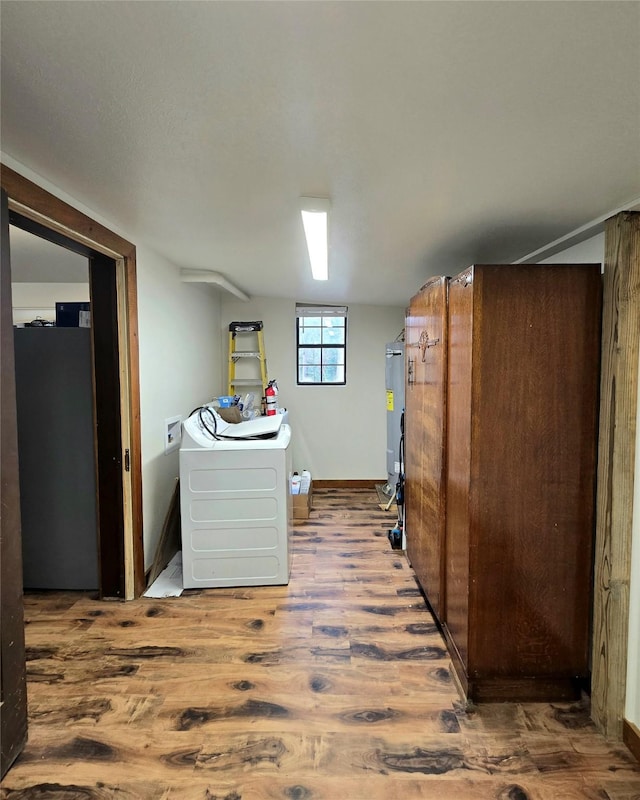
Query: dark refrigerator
[[56, 458]]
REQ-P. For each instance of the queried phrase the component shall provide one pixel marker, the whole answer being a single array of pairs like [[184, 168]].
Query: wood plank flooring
[[336, 686]]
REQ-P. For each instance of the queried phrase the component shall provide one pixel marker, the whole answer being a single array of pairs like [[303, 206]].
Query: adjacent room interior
[[399, 474]]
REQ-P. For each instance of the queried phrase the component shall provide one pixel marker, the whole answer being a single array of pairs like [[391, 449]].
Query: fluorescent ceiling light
[[315, 219]]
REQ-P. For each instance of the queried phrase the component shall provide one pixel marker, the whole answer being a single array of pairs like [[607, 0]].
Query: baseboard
[[348, 484], [631, 737]]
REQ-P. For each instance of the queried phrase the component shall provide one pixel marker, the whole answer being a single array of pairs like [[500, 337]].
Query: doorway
[[54, 406], [112, 286]]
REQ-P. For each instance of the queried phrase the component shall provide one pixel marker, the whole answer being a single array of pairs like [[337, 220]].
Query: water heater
[[394, 381]]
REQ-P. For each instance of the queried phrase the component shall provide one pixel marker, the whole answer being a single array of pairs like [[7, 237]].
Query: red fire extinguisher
[[270, 394]]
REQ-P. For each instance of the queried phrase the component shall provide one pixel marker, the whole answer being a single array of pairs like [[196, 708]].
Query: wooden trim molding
[[135, 436], [38, 204], [347, 484], [631, 737], [13, 686], [616, 461]]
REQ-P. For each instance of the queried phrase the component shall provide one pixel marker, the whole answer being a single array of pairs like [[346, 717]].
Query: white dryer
[[236, 509]]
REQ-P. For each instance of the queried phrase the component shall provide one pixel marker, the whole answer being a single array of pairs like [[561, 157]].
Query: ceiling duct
[[209, 276]]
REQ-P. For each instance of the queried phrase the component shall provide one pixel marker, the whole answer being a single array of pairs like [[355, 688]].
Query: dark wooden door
[[432, 352], [523, 401], [109, 454], [424, 437], [412, 435], [458, 461], [13, 692]]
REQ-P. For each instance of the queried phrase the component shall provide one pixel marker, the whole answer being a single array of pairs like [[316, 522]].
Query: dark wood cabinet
[[425, 409], [521, 401]]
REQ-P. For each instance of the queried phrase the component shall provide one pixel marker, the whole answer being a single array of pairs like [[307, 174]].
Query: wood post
[[618, 412]]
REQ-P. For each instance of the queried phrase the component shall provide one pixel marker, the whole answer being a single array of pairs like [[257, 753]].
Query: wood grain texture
[[41, 206], [425, 416], [345, 483], [523, 396], [616, 461], [458, 479], [108, 450], [631, 737], [413, 451], [169, 542], [127, 295], [337, 685]]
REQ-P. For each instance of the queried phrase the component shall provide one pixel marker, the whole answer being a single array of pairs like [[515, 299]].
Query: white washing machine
[[236, 509]]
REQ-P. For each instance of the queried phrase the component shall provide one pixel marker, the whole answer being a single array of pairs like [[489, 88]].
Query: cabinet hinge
[[127, 461]]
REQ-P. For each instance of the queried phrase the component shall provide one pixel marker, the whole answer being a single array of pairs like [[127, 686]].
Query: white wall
[[31, 300], [592, 251], [179, 347], [339, 432], [179, 327]]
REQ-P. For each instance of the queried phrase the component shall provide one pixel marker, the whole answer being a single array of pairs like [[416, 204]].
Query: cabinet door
[[522, 411], [426, 349], [412, 429], [458, 463], [533, 455]]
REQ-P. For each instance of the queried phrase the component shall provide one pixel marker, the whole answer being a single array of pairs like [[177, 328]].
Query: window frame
[[306, 310]]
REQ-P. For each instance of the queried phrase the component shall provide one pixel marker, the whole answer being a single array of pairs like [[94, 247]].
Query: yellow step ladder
[[252, 331]]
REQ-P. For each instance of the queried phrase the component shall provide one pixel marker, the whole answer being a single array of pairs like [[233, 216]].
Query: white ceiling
[[36, 260], [445, 133]]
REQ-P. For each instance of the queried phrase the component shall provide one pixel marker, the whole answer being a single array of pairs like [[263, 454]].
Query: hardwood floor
[[336, 686]]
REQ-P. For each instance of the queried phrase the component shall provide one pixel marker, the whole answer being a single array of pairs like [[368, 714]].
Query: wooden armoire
[[424, 441], [513, 588]]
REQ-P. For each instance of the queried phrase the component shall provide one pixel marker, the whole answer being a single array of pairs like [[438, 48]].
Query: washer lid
[[194, 438]]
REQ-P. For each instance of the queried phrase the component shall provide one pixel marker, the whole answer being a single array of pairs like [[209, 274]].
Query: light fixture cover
[[315, 219]]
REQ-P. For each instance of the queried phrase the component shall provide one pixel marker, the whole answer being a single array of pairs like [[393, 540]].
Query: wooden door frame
[[13, 684], [37, 204]]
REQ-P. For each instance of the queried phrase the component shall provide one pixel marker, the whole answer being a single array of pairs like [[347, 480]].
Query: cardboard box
[[302, 504]]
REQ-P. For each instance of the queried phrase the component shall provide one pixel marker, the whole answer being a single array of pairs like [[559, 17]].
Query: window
[[321, 340]]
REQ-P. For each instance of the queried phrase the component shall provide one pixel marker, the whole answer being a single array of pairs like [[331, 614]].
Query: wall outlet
[[172, 433]]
